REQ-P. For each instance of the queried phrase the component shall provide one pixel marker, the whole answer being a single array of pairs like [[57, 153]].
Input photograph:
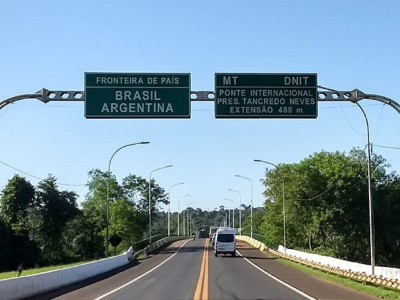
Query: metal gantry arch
[[46, 96], [354, 96], [326, 94]]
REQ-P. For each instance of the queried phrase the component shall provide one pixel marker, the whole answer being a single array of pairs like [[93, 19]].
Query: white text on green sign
[[132, 95], [266, 95]]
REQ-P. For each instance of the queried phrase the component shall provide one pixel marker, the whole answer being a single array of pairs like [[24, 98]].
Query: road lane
[[234, 278], [175, 279], [188, 270]]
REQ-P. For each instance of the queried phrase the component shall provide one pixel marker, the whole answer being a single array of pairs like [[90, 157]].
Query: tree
[[136, 190], [127, 206], [8, 260], [326, 199], [55, 209], [94, 207], [81, 239], [16, 198], [127, 222]]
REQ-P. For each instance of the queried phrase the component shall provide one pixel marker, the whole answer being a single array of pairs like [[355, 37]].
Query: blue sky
[[51, 44]]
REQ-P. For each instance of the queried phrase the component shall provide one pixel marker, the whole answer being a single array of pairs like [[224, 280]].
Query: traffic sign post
[[134, 95], [266, 95]]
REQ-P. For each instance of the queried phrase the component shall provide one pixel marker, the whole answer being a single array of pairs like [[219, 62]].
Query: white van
[[225, 241], [213, 229]]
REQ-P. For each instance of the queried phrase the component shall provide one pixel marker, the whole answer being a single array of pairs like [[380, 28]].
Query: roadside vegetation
[[43, 226], [326, 207]]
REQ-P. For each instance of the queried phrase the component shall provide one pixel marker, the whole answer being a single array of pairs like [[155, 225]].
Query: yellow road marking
[[201, 292]]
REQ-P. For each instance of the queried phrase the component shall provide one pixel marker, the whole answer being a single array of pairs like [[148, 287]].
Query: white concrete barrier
[[390, 273], [27, 286]]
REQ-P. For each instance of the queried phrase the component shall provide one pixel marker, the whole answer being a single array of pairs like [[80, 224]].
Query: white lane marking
[[277, 279], [141, 276]]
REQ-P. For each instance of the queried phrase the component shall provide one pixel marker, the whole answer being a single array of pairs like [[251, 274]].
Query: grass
[[141, 257], [380, 292], [13, 274]]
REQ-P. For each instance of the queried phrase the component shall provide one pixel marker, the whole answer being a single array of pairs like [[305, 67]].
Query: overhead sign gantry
[[172, 95]]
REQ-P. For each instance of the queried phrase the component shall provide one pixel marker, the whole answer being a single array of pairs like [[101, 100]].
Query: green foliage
[[16, 198], [54, 210], [136, 189], [127, 222], [326, 203], [82, 240]]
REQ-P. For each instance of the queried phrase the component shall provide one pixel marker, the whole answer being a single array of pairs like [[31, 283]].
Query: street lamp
[[240, 208], [283, 201], [169, 207], [178, 209], [190, 229], [370, 203], [169, 166], [233, 213], [251, 206], [184, 222], [108, 188]]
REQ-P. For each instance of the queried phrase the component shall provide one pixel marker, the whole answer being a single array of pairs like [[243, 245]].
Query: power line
[[36, 177], [387, 147]]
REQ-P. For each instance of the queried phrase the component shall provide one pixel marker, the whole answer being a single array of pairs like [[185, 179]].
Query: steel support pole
[[108, 190], [251, 204], [370, 202], [150, 231]]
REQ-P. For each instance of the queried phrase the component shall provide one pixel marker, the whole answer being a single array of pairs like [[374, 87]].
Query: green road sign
[[266, 95], [134, 95]]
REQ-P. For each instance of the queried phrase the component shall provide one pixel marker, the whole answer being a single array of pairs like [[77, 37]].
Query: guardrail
[[362, 277]]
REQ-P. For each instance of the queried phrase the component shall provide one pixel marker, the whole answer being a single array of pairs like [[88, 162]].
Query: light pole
[[184, 222], [283, 200], [233, 213], [240, 209], [178, 210], [251, 206], [169, 166], [190, 229], [370, 204], [169, 207], [108, 189]]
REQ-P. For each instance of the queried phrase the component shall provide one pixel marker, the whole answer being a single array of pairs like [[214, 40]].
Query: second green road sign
[[266, 95], [134, 95]]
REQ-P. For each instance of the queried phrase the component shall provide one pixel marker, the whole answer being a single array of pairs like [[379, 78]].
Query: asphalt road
[[188, 270]]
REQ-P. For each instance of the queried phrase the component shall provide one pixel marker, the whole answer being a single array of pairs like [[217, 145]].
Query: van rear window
[[225, 238]]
